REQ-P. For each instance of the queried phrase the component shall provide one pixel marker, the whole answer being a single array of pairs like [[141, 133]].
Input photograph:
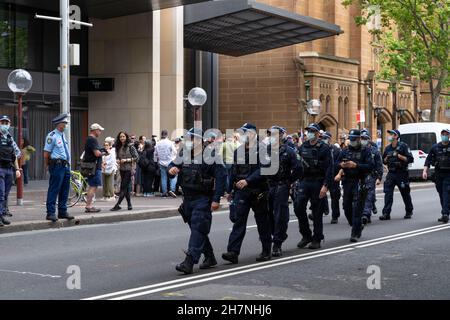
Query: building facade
[[273, 87]]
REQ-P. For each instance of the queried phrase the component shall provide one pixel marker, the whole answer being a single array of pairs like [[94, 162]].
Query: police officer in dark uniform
[[9, 166], [439, 157], [357, 163], [374, 178], [288, 170], [57, 159], [202, 179], [249, 189], [397, 156], [317, 179]]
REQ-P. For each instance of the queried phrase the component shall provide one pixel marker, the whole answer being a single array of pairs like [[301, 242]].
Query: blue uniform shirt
[[56, 144]]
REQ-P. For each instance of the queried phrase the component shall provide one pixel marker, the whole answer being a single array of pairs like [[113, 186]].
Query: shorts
[[95, 180]]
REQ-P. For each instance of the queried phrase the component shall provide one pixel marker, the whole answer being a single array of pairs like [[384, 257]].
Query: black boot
[[209, 262], [116, 208], [264, 256], [4, 220], [443, 219], [353, 238], [304, 242], [334, 221], [314, 245], [276, 250], [230, 257], [408, 215], [385, 217], [187, 266], [365, 220]]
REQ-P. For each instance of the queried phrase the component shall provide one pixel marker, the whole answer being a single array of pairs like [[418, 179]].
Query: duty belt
[[58, 161]]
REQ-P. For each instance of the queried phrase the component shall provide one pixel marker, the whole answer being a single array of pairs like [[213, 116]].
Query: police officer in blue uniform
[[288, 170], [374, 178], [249, 190], [202, 179], [397, 156], [439, 157], [57, 159], [317, 179], [9, 166], [357, 163]]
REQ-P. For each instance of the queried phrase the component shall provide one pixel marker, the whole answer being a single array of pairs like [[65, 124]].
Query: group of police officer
[[306, 173]]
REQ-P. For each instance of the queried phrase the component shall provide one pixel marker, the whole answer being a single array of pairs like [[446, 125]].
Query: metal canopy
[[106, 9], [241, 27]]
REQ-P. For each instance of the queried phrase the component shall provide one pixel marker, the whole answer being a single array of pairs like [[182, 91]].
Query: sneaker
[[172, 194], [92, 210], [264, 256], [52, 218], [116, 208], [65, 216], [304, 242], [230, 257], [5, 221], [314, 245], [276, 251], [187, 266], [209, 262], [334, 221], [385, 217]]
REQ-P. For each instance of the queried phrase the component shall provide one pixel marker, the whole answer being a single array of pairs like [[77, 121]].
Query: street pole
[[20, 180], [65, 65], [394, 105]]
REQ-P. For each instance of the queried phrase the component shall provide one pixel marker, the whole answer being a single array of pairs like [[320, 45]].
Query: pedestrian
[[165, 153], [138, 183], [27, 152], [288, 170], [109, 168], [247, 189], [439, 157], [57, 160], [316, 181], [203, 186], [357, 164], [373, 179], [397, 156], [93, 155], [127, 156], [148, 168]]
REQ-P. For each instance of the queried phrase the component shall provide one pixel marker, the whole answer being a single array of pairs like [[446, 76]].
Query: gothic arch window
[[346, 113], [328, 105], [385, 100], [341, 112]]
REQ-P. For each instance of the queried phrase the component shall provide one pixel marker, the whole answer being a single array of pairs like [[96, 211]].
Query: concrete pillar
[[155, 75]]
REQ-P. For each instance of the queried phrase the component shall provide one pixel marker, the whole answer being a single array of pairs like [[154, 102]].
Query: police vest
[[393, 162], [355, 156], [284, 171], [194, 181], [7, 154], [313, 167], [443, 158], [242, 168]]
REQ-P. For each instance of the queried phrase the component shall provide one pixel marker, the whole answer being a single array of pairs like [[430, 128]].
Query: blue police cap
[[195, 132], [443, 130], [281, 130], [365, 133], [396, 132], [248, 126], [5, 118], [314, 127], [61, 118], [326, 135], [354, 133]]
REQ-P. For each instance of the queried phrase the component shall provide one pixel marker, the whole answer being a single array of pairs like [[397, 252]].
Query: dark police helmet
[[248, 126], [60, 119], [5, 118], [313, 127], [354, 134], [281, 130]]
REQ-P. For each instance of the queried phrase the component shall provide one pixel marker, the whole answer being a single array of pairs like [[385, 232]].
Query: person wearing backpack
[[148, 167]]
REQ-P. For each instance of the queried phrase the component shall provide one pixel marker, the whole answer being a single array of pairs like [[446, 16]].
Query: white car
[[420, 137]]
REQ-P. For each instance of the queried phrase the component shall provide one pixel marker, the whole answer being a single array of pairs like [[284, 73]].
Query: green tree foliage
[[413, 40]]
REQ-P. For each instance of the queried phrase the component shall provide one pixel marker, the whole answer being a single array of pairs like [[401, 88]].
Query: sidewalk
[[31, 216]]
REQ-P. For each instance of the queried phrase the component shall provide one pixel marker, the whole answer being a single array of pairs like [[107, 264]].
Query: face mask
[[445, 138], [390, 139], [364, 143], [354, 144], [4, 128], [311, 136], [326, 141]]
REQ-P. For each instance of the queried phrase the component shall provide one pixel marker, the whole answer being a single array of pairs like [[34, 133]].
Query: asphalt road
[[136, 260]]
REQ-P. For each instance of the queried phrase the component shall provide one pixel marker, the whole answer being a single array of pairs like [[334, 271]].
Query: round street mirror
[[197, 97], [313, 107], [20, 81]]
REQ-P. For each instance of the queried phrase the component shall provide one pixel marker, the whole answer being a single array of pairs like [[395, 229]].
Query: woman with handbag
[[126, 155], [109, 168], [148, 167]]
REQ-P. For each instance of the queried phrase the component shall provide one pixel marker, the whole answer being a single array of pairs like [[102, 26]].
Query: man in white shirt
[[165, 153]]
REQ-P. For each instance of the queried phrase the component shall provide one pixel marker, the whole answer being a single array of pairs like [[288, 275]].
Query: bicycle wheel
[[74, 193]]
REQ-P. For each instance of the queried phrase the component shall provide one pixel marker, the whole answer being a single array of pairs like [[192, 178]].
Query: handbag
[[88, 169]]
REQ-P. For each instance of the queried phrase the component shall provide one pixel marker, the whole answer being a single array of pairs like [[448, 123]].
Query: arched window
[[341, 112], [377, 99], [328, 105], [385, 100], [346, 113]]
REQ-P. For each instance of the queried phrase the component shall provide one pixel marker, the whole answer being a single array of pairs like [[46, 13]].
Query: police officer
[[202, 179], [287, 168], [397, 156], [317, 176], [249, 189], [374, 178], [357, 163], [57, 159], [439, 157], [9, 154]]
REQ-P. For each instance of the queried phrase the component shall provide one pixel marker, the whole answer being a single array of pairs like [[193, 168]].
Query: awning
[[241, 27], [105, 9]]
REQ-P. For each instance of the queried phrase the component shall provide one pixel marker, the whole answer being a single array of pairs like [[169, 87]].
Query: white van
[[420, 137]]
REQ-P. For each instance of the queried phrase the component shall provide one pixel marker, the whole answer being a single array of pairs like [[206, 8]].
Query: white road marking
[[253, 267], [31, 273]]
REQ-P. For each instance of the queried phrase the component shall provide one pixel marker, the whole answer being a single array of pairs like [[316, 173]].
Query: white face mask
[[354, 144], [310, 136], [5, 128], [327, 141], [364, 143]]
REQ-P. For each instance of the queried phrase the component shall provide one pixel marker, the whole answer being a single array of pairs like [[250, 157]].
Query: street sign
[[95, 84]]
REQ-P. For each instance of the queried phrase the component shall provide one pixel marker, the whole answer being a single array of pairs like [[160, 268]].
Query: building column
[[155, 75], [172, 69]]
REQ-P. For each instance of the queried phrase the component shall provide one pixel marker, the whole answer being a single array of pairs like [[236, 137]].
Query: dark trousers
[[354, 200], [244, 201], [335, 193], [198, 213], [147, 177], [309, 190], [59, 186], [125, 180], [371, 183], [401, 180], [279, 212], [6, 179], [443, 188], [25, 172]]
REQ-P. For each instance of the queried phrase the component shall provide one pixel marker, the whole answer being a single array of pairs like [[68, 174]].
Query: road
[[136, 260]]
